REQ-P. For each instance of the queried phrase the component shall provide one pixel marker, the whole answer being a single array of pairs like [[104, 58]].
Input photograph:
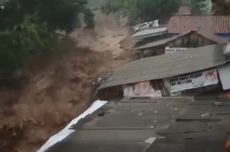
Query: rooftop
[[150, 32], [212, 37], [214, 24], [139, 125], [154, 44], [168, 65]]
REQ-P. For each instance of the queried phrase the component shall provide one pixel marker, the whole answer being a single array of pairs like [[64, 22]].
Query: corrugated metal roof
[[162, 41], [150, 32], [209, 36], [212, 37], [165, 66], [153, 44], [214, 24]]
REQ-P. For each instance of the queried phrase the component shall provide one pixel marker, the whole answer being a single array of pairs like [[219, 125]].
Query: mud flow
[[60, 88]]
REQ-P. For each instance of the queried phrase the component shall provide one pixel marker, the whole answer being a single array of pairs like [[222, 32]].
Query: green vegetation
[[95, 4], [143, 10], [21, 41], [217, 7], [197, 5], [28, 27], [58, 14], [221, 7], [201, 6]]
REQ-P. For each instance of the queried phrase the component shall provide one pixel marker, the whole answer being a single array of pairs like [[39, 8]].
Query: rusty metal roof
[[214, 24], [165, 66]]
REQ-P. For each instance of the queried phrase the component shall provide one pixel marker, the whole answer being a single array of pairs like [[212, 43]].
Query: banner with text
[[192, 81]]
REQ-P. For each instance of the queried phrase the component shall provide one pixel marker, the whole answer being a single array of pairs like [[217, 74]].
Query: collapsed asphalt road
[[162, 125]]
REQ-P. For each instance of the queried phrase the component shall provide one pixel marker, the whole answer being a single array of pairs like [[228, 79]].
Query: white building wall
[[142, 89], [224, 73]]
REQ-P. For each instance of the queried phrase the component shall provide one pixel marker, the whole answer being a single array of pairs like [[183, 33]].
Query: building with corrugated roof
[[218, 25], [185, 30], [191, 39], [172, 73]]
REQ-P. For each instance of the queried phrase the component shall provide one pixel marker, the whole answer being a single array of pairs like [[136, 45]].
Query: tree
[[143, 9], [19, 43], [89, 18], [221, 7], [217, 7], [201, 6], [57, 14], [154, 9], [28, 27]]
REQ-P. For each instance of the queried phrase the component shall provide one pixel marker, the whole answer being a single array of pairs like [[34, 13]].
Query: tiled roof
[[214, 24]]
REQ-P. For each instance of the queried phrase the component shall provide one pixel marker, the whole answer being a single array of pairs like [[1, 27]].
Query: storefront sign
[[192, 81], [169, 50]]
